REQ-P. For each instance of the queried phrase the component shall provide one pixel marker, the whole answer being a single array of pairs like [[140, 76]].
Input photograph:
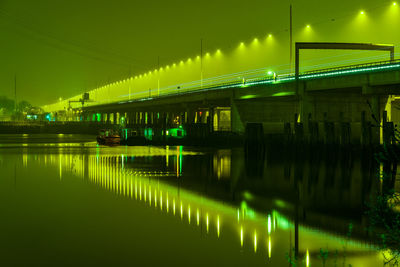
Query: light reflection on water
[[150, 176]]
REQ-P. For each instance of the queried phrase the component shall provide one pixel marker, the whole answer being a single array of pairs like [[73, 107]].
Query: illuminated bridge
[[350, 94]]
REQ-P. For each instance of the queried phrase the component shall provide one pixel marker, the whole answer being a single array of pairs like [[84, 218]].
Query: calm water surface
[[64, 200]]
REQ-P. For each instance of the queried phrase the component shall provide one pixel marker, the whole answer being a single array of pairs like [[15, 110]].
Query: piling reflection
[[263, 211]]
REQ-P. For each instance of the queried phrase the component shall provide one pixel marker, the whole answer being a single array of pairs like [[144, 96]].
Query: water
[[65, 201]]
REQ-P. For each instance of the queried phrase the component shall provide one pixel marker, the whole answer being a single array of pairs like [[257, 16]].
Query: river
[[66, 201]]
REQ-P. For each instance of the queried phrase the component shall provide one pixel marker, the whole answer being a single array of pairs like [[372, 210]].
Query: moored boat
[[108, 137]]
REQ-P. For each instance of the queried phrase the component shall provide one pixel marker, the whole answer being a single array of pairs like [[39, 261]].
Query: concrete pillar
[[237, 125], [210, 119], [190, 114], [117, 118], [376, 110], [306, 108]]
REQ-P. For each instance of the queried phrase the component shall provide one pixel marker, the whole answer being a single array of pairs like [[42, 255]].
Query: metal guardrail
[[262, 80], [357, 66], [251, 78]]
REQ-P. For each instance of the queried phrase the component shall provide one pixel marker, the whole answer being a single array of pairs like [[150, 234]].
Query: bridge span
[[354, 95]]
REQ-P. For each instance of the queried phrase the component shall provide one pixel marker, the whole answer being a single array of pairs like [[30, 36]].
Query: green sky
[[63, 48]]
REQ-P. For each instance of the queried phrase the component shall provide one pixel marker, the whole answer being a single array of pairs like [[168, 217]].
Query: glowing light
[[207, 221], [218, 226], [155, 198], [270, 73], [269, 35], [307, 259], [255, 241], [241, 236], [241, 44], [173, 205], [308, 26], [394, 3], [269, 247], [150, 195], [189, 214], [161, 200], [198, 217], [269, 224], [362, 12], [167, 203], [181, 210], [135, 189]]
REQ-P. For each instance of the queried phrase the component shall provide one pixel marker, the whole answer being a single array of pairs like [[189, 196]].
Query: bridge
[[348, 94]]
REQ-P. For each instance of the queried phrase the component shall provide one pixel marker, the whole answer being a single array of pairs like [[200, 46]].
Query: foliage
[[384, 218], [7, 105], [24, 106]]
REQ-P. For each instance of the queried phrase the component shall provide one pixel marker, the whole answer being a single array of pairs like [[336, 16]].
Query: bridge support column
[[237, 125], [190, 114], [376, 111], [306, 108], [210, 119], [105, 118], [131, 116]]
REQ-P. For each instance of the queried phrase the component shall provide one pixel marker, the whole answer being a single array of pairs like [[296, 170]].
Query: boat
[[108, 137]]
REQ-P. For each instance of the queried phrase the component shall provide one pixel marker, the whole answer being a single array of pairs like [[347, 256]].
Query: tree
[[24, 106], [7, 105]]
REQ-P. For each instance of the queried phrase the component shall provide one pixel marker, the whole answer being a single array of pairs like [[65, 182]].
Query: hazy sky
[[60, 48]]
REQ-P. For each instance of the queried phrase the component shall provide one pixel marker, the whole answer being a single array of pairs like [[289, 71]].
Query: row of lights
[[308, 26]]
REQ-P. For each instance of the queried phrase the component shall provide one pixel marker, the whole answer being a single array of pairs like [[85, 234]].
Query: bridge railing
[[250, 78]]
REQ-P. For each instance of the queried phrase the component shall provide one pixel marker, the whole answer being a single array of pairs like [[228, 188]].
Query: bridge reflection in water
[[212, 191]]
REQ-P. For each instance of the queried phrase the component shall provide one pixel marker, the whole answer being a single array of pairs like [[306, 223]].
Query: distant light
[[241, 44], [255, 40], [269, 35], [270, 72], [308, 26], [394, 3], [362, 13], [218, 51]]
